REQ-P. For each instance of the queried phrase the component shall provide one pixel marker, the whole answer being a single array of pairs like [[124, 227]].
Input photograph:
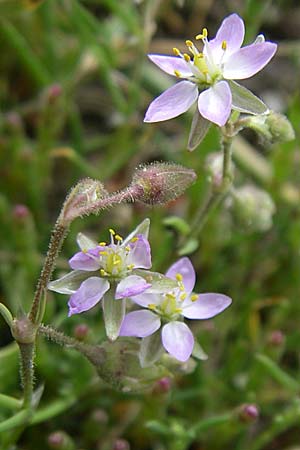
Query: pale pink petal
[[206, 306], [86, 260], [178, 340], [148, 299], [88, 295], [215, 103], [185, 268], [232, 30], [170, 63], [140, 253], [131, 286], [248, 60], [140, 324], [173, 102]]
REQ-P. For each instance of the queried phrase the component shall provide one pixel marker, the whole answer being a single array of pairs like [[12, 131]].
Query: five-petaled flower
[[211, 72], [169, 309], [98, 266]]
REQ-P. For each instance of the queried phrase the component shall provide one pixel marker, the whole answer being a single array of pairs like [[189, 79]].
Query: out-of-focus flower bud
[[274, 127], [163, 386], [248, 413], [276, 338], [59, 440], [20, 213], [214, 168], [159, 183], [23, 330], [253, 208], [53, 92], [121, 444], [118, 364], [81, 331], [14, 121]]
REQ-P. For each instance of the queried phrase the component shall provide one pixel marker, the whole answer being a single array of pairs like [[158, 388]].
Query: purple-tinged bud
[[99, 416], [159, 183], [81, 331], [214, 168], [121, 444], [248, 413], [20, 213], [163, 386], [59, 440], [54, 92], [276, 338]]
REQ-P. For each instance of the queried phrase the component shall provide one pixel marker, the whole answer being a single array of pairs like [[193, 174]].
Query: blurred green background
[[75, 82]]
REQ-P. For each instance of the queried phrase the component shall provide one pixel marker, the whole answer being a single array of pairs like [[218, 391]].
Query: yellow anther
[[103, 253], [178, 277], [102, 244], [194, 297], [127, 248], [187, 57], [224, 45], [189, 43], [204, 32], [176, 51], [178, 310], [102, 272], [84, 250], [177, 73], [118, 238], [112, 232], [134, 239], [130, 266], [151, 306], [182, 296]]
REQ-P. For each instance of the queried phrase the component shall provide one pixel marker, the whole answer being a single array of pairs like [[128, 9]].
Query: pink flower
[[169, 309], [208, 75]]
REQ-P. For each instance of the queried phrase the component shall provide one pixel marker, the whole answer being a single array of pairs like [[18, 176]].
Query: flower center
[[114, 258], [206, 71]]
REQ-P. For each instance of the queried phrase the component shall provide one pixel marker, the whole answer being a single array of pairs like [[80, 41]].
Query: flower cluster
[[119, 270], [208, 75]]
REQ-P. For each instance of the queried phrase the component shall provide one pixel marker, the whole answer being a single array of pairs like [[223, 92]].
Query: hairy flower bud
[[253, 208], [121, 444], [159, 183], [81, 331], [83, 195]]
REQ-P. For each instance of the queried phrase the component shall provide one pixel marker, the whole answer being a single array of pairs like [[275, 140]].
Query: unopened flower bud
[[59, 440], [81, 331], [214, 168], [163, 385], [83, 195], [20, 213], [121, 444], [54, 92], [14, 121], [276, 338], [274, 127], [159, 183], [248, 413], [253, 208], [23, 330]]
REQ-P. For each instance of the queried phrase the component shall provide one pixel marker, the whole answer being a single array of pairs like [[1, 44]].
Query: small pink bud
[[59, 440], [99, 416], [81, 331], [248, 413], [54, 92], [121, 444], [163, 385], [20, 212], [14, 120], [161, 182], [276, 338]]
